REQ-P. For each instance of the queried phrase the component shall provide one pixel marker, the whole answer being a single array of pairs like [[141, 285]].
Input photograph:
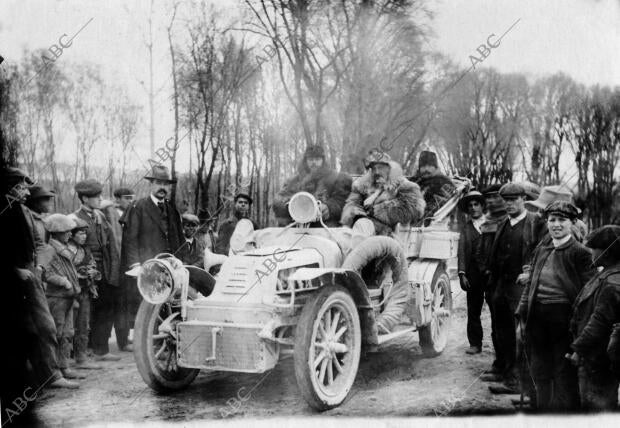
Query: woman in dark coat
[[596, 310], [561, 267]]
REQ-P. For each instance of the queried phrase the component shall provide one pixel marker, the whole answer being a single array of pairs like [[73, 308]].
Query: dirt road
[[396, 381]]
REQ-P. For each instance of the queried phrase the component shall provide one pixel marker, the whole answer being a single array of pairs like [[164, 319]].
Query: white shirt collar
[[559, 242], [190, 240], [517, 219], [477, 222], [155, 200]]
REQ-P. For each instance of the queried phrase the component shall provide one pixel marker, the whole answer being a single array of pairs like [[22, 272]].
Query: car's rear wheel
[[155, 352], [327, 348], [434, 336]]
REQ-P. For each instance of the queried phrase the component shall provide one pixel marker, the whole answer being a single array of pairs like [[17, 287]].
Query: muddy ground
[[396, 381]]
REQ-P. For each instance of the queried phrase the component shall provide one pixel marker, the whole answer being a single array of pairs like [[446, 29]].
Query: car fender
[[420, 276], [354, 283]]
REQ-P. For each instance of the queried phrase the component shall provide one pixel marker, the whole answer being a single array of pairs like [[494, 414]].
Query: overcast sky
[[578, 37]]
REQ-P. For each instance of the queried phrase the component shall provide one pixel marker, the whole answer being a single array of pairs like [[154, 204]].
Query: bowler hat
[[12, 175], [59, 223], [563, 209], [244, 195], [314, 151], [550, 194], [428, 158], [512, 190], [160, 172], [190, 218], [605, 238], [89, 188], [473, 195], [37, 192]]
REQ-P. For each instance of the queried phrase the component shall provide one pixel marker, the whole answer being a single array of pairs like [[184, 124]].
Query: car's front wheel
[[327, 347], [155, 351]]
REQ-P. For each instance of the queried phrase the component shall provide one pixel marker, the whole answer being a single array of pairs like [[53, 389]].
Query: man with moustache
[[101, 241], [153, 225]]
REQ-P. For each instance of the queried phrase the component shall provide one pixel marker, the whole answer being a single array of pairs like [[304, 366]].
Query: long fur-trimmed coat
[[327, 185], [398, 201]]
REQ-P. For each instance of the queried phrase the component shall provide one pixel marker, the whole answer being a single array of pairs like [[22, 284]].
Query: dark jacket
[[109, 210], [222, 246], [100, 234], [327, 185], [574, 267], [399, 201], [533, 231], [437, 189], [60, 272], [469, 251], [193, 253], [595, 311], [146, 234]]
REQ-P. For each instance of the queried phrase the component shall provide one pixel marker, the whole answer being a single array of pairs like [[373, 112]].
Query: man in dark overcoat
[[153, 224], [512, 248], [101, 241]]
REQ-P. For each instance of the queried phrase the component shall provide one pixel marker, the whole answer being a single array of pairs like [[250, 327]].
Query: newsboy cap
[[428, 158], [491, 190], [605, 238], [59, 223], [89, 188], [190, 218], [512, 190], [37, 192], [563, 209], [123, 191], [79, 223]]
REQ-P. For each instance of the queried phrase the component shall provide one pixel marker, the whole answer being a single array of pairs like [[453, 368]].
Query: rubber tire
[[426, 338], [152, 377], [303, 338]]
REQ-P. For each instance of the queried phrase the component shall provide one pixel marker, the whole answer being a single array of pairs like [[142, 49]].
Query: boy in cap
[[62, 287], [314, 176], [100, 240], [471, 268], [87, 272], [243, 203], [596, 309], [513, 245]]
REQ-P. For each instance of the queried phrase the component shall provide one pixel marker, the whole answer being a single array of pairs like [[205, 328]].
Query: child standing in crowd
[[87, 275], [62, 287]]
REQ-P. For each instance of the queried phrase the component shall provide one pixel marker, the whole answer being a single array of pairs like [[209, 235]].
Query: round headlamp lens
[[155, 282]]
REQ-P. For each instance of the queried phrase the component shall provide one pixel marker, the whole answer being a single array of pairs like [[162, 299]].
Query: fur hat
[[314, 151], [428, 158], [79, 223], [59, 223], [88, 188]]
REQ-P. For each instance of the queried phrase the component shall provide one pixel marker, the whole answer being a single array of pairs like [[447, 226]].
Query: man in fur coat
[[382, 197], [314, 176]]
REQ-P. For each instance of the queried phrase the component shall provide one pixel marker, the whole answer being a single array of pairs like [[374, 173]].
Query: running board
[[382, 338]]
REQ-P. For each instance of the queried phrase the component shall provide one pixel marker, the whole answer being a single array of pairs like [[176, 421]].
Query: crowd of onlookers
[[553, 291]]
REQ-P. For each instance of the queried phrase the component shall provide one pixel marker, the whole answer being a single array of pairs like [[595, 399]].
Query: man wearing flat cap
[[241, 210], [28, 311], [435, 185], [192, 252], [471, 268], [40, 202], [595, 311], [100, 239], [314, 176], [512, 248]]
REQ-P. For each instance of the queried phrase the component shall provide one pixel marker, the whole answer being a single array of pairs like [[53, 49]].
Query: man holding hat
[[596, 309], [100, 239], [243, 202], [436, 186], [314, 176], [192, 252], [512, 248], [471, 267]]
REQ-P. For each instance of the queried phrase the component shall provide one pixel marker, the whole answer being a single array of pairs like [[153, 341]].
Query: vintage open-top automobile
[[314, 292]]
